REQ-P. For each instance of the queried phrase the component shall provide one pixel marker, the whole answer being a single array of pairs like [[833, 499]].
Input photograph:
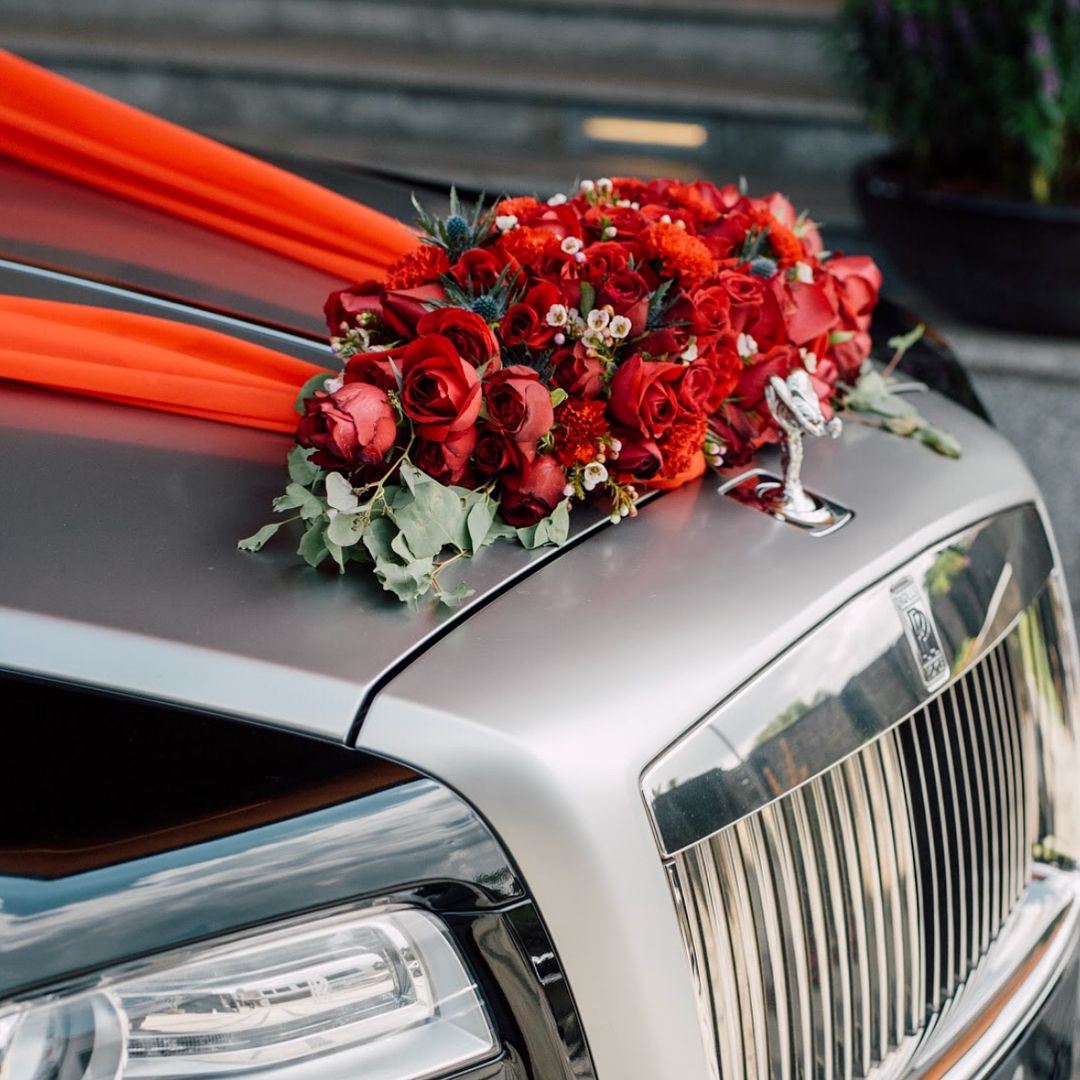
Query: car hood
[[121, 570]]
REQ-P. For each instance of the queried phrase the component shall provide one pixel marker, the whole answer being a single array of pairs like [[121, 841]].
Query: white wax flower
[[599, 318], [506, 222], [557, 315], [571, 245], [746, 346], [593, 474], [619, 327]]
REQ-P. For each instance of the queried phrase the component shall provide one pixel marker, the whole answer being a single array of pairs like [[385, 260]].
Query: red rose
[[643, 395], [666, 341], [533, 492], [441, 391], [559, 221], [446, 461], [628, 294], [604, 259], [755, 377], [696, 387], [737, 431], [627, 222], [403, 308], [346, 308], [721, 355], [351, 427], [374, 368], [478, 269], [712, 309], [639, 456], [580, 375], [472, 337], [526, 323], [856, 281], [494, 452], [519, 404], [808, 310]]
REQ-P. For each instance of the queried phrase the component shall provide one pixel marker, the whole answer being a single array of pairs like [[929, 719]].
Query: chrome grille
[[833, 929]]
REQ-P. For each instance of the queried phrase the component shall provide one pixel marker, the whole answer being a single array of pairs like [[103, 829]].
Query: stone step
[[508, 119], [782, 37]]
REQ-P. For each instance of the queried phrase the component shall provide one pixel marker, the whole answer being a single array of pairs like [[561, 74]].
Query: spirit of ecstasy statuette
[[797, 411]]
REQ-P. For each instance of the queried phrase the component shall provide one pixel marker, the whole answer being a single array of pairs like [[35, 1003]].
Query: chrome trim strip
[[819, 702]]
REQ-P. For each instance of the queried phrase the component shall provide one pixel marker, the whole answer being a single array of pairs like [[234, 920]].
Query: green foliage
[[461, 229], [978, 94]]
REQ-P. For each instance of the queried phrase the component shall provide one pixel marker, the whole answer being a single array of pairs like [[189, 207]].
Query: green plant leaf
[[455, 597], [298, 497], [312, 547], [256, 540], [481, 517], [310, 388], [435, 517], [588, 298], [407, 581], [379, 536], [553, 529], [902, 342], [345, 530], [302, 471]]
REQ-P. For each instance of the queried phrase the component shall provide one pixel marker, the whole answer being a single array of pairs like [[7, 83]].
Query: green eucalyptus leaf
[[500, 530], [297, 496], [480, 520], [941, 441], [553, 529], [312, 547], [435, 517], [408, 581], [902, 342], [301, 470], [256, 540], [379, 537], [455, 597], [345, 530], [310, 388], [337, 553]]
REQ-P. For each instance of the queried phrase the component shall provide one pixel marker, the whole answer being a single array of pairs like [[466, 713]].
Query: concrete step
[[736, 37], [510, 119]]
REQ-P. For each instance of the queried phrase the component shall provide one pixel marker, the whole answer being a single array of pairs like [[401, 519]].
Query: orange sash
[[56, 125], [151, 362]]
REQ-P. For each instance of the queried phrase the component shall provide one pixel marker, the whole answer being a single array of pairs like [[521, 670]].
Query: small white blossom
[[604, 185], [599, 318], [610, 232], [804, 272], [587, 185], [340, 494], [620, 327], [746, 346], [506, 222], [593, 339], [666, 219], [571, 245], [332, 386], [623, 204], [809, 360], [569, 491], [593, 474], [557, 199], [690, 353], [579, 257], [635, 206], [557, 315], [680, 224], [560, 338]]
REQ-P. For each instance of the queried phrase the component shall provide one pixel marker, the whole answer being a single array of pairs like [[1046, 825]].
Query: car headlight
[[381, 993]]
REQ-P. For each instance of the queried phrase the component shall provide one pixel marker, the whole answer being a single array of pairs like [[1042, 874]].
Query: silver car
[[259, 822]]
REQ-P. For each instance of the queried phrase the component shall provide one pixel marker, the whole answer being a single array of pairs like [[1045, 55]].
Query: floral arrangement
[[978, 93], [535, 355]]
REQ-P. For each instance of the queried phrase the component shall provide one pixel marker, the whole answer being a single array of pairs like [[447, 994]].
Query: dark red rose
[[643, 395], [639, 456], [604, 259], [666, 341], [560, 221], [750, 390], [446, 461], [722, 356], [742, 288], [351, 427], [404, 308], [696, 387], [519, 404], [346, 308], [712, 309], [441, 391], [494, 452], [478, 269], [627, 222], [738, 432], [856, 282], [533, 492], [580, 375], [472, 337], [374, 368], [526, 323], [628, 294]]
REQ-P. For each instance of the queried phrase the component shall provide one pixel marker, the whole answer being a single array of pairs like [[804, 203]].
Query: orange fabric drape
[[151, 362], [61, 127]]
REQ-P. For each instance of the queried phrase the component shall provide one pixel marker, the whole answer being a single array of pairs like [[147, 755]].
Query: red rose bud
[[580, 375], [643, 395], [446, 461], [533, 492], [639, 456], [519, 404], [441, 392], [404, 308], [347, 306], [478, 269], [351, 427], [472, 337], [628, 294], [374, 368]]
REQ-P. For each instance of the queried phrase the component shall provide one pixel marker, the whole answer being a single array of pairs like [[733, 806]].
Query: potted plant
[[980, 202]]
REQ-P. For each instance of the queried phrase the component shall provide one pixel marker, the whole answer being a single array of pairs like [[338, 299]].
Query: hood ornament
[[797, 411]]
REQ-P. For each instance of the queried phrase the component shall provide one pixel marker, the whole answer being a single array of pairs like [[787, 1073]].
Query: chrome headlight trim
[[850, 679]]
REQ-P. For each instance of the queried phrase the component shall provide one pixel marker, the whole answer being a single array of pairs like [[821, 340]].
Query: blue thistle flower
[[486, 307], [458, 233]]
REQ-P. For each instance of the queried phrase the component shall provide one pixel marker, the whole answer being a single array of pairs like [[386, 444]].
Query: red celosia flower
[[579, 427], [425, 263], [682, 255]]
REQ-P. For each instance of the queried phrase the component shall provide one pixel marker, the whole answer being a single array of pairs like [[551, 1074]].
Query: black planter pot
[[1002, 263]]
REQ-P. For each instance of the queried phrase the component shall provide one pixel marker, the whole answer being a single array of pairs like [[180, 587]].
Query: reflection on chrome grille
[[831, 930]]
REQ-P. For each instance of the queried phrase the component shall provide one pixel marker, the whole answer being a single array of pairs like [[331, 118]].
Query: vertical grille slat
[[833, 929]]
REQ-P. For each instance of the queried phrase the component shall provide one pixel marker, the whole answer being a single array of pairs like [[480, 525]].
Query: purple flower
[[1040, 43]]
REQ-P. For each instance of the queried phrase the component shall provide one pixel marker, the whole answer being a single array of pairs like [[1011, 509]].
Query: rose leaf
[[256, 540], [301, 470]]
